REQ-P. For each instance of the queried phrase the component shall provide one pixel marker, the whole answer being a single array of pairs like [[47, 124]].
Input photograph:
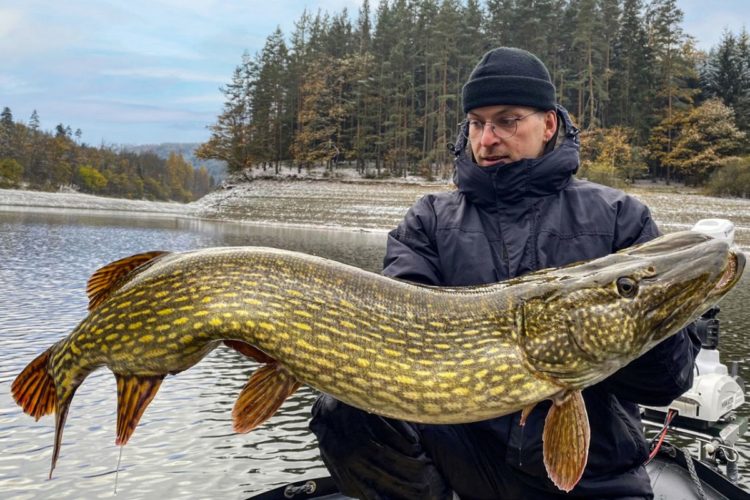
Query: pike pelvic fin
[[250, 351], [34, 388], [267, 389], [134, 393], [109, 278], [566, 441]]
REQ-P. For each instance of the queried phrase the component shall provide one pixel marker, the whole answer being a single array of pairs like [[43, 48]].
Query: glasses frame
[[494, 127]]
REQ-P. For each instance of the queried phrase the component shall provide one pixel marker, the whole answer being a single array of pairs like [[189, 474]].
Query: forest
[[35, 159], [380, 91]]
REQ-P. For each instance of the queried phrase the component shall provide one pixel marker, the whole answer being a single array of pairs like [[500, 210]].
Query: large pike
[[417, 353]]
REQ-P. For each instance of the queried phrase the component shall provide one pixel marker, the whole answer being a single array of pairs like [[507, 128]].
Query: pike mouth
[[732, 272]]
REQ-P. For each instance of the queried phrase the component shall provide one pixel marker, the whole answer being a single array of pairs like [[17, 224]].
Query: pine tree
[[633, 75], [671, 52], [231, 135], [726, 74]]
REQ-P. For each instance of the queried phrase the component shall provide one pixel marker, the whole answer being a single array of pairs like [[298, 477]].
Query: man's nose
[[489, 138]]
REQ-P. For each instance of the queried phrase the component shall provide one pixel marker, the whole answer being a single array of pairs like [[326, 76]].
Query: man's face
[[532, 133]]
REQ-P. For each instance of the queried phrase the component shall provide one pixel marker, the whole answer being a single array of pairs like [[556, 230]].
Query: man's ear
[[550, 125]]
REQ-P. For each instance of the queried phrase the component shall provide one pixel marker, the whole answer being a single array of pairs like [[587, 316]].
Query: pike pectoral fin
[[267, 389], [566, 441], [34, 389], [134, 393], [107, 279], [250, 351], [525, 413]]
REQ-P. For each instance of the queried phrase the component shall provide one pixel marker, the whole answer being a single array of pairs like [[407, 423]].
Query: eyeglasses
[[503, 127]]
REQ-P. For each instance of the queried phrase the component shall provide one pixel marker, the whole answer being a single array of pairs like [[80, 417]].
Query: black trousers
[[373, 457]]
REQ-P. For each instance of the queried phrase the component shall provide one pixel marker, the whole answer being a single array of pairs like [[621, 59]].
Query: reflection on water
[[184, 446]]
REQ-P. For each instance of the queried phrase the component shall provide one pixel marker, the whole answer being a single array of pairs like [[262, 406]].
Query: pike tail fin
[[134, 393], [62, 414], [267, 389], [34, 388]]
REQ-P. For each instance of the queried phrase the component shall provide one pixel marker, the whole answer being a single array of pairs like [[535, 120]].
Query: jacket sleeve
[[411, 253], [666, 371]]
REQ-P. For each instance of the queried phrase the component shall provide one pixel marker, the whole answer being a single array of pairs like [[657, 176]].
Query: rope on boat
[[693, 474]]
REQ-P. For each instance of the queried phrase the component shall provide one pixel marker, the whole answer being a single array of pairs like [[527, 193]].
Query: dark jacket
[[508, 220]]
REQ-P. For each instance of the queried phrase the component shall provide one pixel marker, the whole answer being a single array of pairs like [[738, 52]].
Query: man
[[517, 209]]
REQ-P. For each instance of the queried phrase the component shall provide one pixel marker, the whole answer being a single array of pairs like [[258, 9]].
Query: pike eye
[[627, 287]]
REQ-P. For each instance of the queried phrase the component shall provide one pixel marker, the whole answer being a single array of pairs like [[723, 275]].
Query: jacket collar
[[507, 184]]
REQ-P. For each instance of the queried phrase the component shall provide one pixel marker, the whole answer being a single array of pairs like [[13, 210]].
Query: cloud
[[166, 73]]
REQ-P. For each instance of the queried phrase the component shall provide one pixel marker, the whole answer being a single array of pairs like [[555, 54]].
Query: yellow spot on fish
[[404, 379], [146, 338], [111, 337], [135, 326], [206, 300], [186, 339], [306, 345], [123, 305], [461, 391], [363, 362], [161, 294], [215, 322], [349, 325], [497, 390], [267, 326], [302, 326], [180, 321], [163, 327], [391, 352]]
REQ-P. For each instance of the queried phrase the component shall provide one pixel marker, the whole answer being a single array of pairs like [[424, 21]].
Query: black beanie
[[509, 76]]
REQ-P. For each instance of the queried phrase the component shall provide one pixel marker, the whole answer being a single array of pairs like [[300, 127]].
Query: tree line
[[32, 158], [382, 92]]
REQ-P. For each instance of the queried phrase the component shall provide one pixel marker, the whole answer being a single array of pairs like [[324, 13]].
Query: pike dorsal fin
[[107, 279], [566, 441], [134, 393], [267, 389]]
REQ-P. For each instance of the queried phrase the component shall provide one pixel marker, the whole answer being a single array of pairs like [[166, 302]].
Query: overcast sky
[[149, 71]]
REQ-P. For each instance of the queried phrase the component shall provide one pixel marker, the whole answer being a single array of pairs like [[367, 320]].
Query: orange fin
[[134, 393], [34, 388], [263, 394], [109, 278], [566, 441], [525, 413], [250, 351]]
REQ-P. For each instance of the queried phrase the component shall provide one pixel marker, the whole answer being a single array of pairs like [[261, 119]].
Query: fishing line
[[117, 469]]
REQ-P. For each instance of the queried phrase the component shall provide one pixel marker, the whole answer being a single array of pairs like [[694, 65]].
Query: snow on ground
[[364, 205], [360, 204], [18, 198]]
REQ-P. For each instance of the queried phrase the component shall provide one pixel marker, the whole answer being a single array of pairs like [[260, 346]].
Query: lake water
[[184, 446]]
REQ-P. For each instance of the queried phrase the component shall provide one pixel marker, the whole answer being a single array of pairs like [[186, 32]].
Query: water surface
[[184, 446]]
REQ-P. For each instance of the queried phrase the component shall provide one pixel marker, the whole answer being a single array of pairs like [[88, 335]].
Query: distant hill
[[217, 169]]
